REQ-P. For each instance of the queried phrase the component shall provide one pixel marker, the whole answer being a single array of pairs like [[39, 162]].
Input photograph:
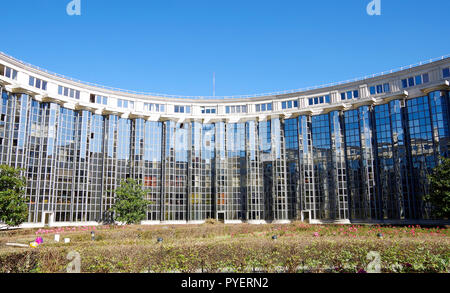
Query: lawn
[[297, 247]]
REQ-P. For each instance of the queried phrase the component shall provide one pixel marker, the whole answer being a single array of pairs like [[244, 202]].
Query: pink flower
[[316, 234]]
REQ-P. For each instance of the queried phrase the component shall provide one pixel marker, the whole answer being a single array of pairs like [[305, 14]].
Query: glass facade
[[366, 162]]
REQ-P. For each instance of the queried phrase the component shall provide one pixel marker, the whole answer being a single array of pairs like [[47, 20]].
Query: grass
[[217, 247]]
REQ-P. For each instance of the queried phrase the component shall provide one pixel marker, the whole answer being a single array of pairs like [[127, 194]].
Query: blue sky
[[174, 46]]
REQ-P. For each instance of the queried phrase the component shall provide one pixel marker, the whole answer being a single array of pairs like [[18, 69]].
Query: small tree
[[13, 205], [130, 203], [439, 196]]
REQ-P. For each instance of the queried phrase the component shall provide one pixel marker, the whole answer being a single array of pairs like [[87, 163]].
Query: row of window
[[182, 109], [350, 95], [380, 88], [417, 80], [8, 72], [68, 92], [153, 107], [209, 110], [236, 109], [289, 104], [101, 100], [125, 104], [264, 107], [37, 83], [319, 100]]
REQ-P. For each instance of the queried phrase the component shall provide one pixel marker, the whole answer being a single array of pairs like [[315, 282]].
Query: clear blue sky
[[174, 46]]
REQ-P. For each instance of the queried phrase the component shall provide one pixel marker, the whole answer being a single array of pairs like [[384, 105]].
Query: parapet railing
[[148, 94]]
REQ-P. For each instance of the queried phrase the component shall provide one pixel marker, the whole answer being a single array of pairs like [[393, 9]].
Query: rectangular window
[[161, 108], [38, 83], [227, 109], [327, 99], [66, 92], [356, 94], [8, 72], [244, 109], [426, 78], [283, 105], [77, 95], [386, 88], [105, 101], [31, 81], [44, 85], [418, 80], [60, 90], [379, 89], [411, 81], [125, 104], [119, 103], [404, 83], [321, 100], [372, 90], [263, 107], [269, 107], [446, 72], [258, 109], [188, 109], [316, 101], [296, 104], [289, 104], [311, 101], [342, 96], [349, 95]]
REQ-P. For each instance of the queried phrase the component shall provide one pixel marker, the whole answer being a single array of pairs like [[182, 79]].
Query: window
[[8, 72], [153, 107], [415, 80], [101, 100], [209, 110], [38, 83], [125, 104], [446, 72], [264, 107], [289, 104], [350, 95], [181, 109], [64, 91], [379, 89], [320, 100]]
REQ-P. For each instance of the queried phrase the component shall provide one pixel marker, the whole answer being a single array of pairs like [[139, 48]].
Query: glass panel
[[418, 80]]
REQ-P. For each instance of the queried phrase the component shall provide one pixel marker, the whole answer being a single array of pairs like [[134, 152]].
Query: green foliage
[[130, 204], [439, 196], [13, 206]]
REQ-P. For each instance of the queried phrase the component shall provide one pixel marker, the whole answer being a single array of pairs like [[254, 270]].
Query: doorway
[[221, 217]]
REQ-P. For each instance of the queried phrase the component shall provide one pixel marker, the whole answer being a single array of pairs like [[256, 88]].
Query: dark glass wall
[[369, 163]]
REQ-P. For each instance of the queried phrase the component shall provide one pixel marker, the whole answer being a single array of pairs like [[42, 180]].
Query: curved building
[[352, 151]]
